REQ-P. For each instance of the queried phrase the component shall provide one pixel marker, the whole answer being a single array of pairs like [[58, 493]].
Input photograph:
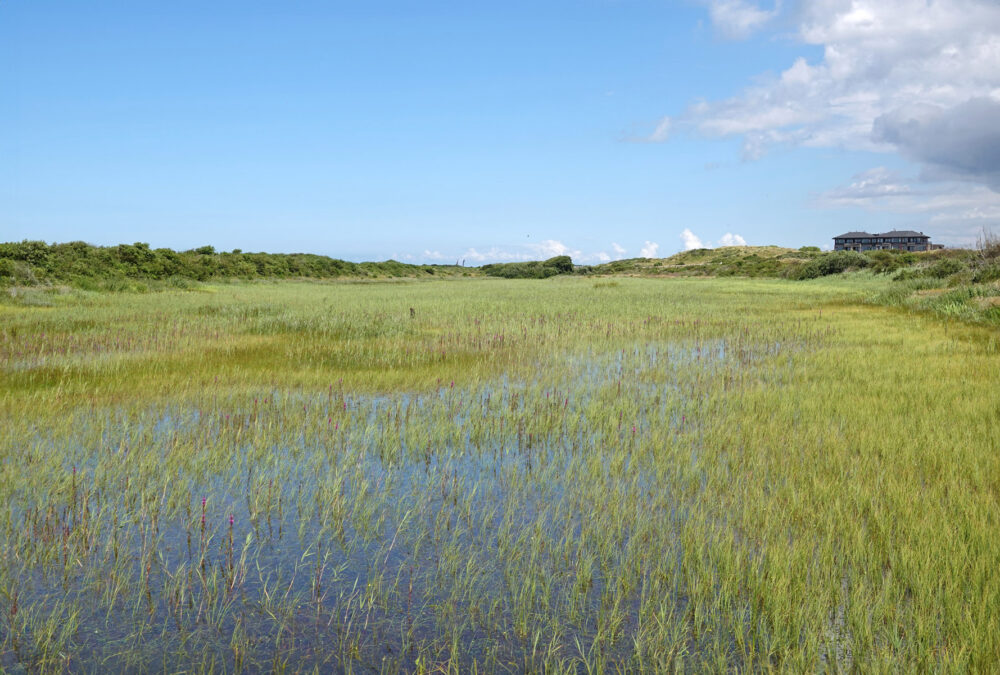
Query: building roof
[[902, 233], [894, 233]]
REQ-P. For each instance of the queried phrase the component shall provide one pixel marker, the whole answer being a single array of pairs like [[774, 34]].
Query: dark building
[[903, 240]]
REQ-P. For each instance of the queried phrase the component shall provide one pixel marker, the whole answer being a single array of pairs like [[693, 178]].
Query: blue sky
[[433, 131]]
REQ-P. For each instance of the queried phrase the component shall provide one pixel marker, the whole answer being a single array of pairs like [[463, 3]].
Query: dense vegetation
[[82, 265], [534, 269], [954, 283], [951, 283], [569, 475], [809, 262]]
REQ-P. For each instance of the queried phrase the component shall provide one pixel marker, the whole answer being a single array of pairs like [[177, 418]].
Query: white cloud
[[548, 248], [649, 249], [920, 78], [433, 255], [494, 254], [738, 18], [552, 247], [601, 256], [661, 132], [937, 63], [729, 239], [619, 250], [691, 241]]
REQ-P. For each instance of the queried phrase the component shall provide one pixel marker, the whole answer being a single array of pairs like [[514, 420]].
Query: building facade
[[902, 240]]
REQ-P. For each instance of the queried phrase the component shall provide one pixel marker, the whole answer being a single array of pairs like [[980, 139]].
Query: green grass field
[[480, 475]]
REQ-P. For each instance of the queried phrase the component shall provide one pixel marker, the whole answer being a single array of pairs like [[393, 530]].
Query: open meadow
[[575, 475]]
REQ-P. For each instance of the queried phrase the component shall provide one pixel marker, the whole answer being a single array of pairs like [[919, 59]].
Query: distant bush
[[534, 269], [909, 274], [945, 268], [85, 266], [888, 261], [831, 263], [809, 249], [987, 273]]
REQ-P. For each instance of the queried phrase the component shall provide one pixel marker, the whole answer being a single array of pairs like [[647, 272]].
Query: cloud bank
[[916, 77]]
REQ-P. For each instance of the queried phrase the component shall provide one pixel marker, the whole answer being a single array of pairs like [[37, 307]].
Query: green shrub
[[534, 269], [908, 274], [987, 273], [6, 271], [35, 262], [887, 261], [945, 268], [832, 263], [563, 264]]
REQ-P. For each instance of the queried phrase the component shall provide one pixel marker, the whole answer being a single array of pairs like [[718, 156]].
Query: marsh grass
[[515, 476]]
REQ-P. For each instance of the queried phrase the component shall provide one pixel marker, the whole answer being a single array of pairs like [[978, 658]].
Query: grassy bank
[[564, 475], [962, 284], [956, 284]]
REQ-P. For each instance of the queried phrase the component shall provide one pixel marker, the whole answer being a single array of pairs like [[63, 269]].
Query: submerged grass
[[493, 476]]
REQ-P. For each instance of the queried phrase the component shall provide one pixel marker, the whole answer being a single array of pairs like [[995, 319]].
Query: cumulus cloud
[[601, 256], [552, 247], [918, 77], [492, 254], [691, 241], [737, 18], [729, 239], [962, 141], [548, 248], [619, 250], [648, 249]]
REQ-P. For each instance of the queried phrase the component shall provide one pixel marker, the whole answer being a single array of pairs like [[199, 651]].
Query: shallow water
[[372, 531]]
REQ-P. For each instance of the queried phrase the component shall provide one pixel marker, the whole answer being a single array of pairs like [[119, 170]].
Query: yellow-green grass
[[558, 475]]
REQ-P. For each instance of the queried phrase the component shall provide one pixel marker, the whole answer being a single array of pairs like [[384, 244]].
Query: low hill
[[31, 263], [748, 261]]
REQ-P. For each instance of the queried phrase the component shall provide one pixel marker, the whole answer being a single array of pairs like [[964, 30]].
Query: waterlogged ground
[[514, 477]]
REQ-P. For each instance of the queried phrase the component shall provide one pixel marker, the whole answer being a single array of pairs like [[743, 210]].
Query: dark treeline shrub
[[888, 261], [831, 263], [945, 268], [940, 269], [987, 273], [108, 267], [534, 269]]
